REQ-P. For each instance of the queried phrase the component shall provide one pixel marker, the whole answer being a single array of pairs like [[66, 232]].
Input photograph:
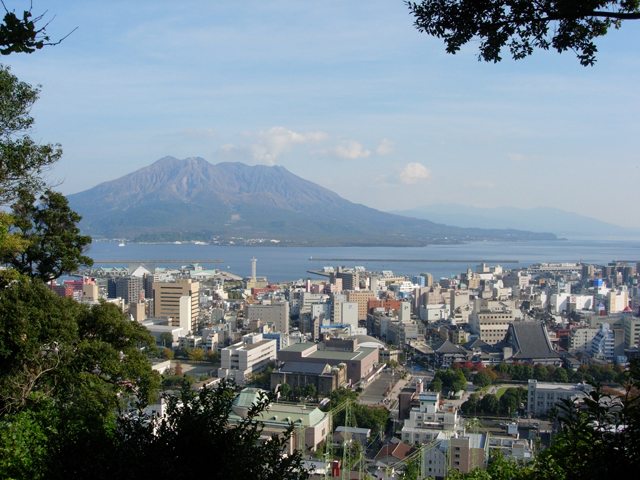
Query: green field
[[501, 391]]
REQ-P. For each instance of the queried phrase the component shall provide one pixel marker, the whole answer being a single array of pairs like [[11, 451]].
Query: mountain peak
[[182, 199]]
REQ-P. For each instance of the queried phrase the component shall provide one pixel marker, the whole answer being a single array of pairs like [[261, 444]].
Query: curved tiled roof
[[529, 340]]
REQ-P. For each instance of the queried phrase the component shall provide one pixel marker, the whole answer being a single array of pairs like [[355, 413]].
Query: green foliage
[[436, 385], [310, 390], [56, 348], [23, 160], [213, 357], [168, 354], [20, 34], [540, 373], [599, 440], [54, 244], [490, 405], [560, 375], [264, 379], [472, 405], [24, 439], [196, 355], [596, 438], [171, 382], [166, 339], [362, 416], [197, 427], [482, 379], [522, 25], [285, 390], [452, 379]]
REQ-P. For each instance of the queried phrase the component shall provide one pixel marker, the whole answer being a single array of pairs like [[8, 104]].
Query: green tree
[[482, 379], [540, 373], [598, 439], [490, 404], [560, 375], [472, 405], [54, 244], [197, 425], [166, 339], [522, 25], [508, 404], [196, 355], [285, 390], [168, 354], [436, 385], [310, 390], [23, 160], [213, 357], [55, 349], [21, 34]]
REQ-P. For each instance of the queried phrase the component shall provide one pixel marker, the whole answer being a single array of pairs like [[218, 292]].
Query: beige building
[[631, 331], [361, 297], [166, 298], [580, 339], [491, 319]]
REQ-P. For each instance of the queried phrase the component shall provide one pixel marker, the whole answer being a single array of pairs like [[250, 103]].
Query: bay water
[[280, 264]]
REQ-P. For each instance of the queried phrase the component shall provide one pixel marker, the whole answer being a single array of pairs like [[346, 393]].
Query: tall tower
[[253, 269]]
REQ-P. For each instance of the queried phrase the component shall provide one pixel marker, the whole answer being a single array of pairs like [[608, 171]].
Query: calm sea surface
[[291, 263]]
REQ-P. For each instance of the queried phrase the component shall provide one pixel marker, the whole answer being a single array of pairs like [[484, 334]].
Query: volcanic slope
[[192, 199]]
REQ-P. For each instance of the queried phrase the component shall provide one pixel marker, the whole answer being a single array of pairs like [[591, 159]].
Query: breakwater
[[410, 260]]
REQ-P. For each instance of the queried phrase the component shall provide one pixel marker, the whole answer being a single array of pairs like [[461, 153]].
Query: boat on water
[[121, 244]]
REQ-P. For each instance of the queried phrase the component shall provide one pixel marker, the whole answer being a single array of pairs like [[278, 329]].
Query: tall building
[[276, 314], [252, 355], [350, 280], [130, 289], [490, 319], [631, 331], [362, 298], [167, 295], [608, 343]]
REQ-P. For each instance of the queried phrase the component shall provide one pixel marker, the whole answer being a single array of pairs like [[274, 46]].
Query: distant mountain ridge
[[193, 199], [548, 219]]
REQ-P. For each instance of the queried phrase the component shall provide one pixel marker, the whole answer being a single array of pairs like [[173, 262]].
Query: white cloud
[[384, 147], [413, 173], [278, 140], [518, 157], [349, 149], [268, 145]]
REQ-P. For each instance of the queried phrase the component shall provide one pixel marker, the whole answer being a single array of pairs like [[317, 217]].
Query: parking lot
[[374, 393]]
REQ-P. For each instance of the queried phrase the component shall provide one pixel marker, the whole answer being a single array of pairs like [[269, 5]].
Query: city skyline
[[349, 96]]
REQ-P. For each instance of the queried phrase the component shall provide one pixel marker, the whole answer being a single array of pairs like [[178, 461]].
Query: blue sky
[[344, 93]]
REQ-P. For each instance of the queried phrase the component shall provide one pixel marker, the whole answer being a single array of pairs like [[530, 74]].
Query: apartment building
[[167, 302]]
